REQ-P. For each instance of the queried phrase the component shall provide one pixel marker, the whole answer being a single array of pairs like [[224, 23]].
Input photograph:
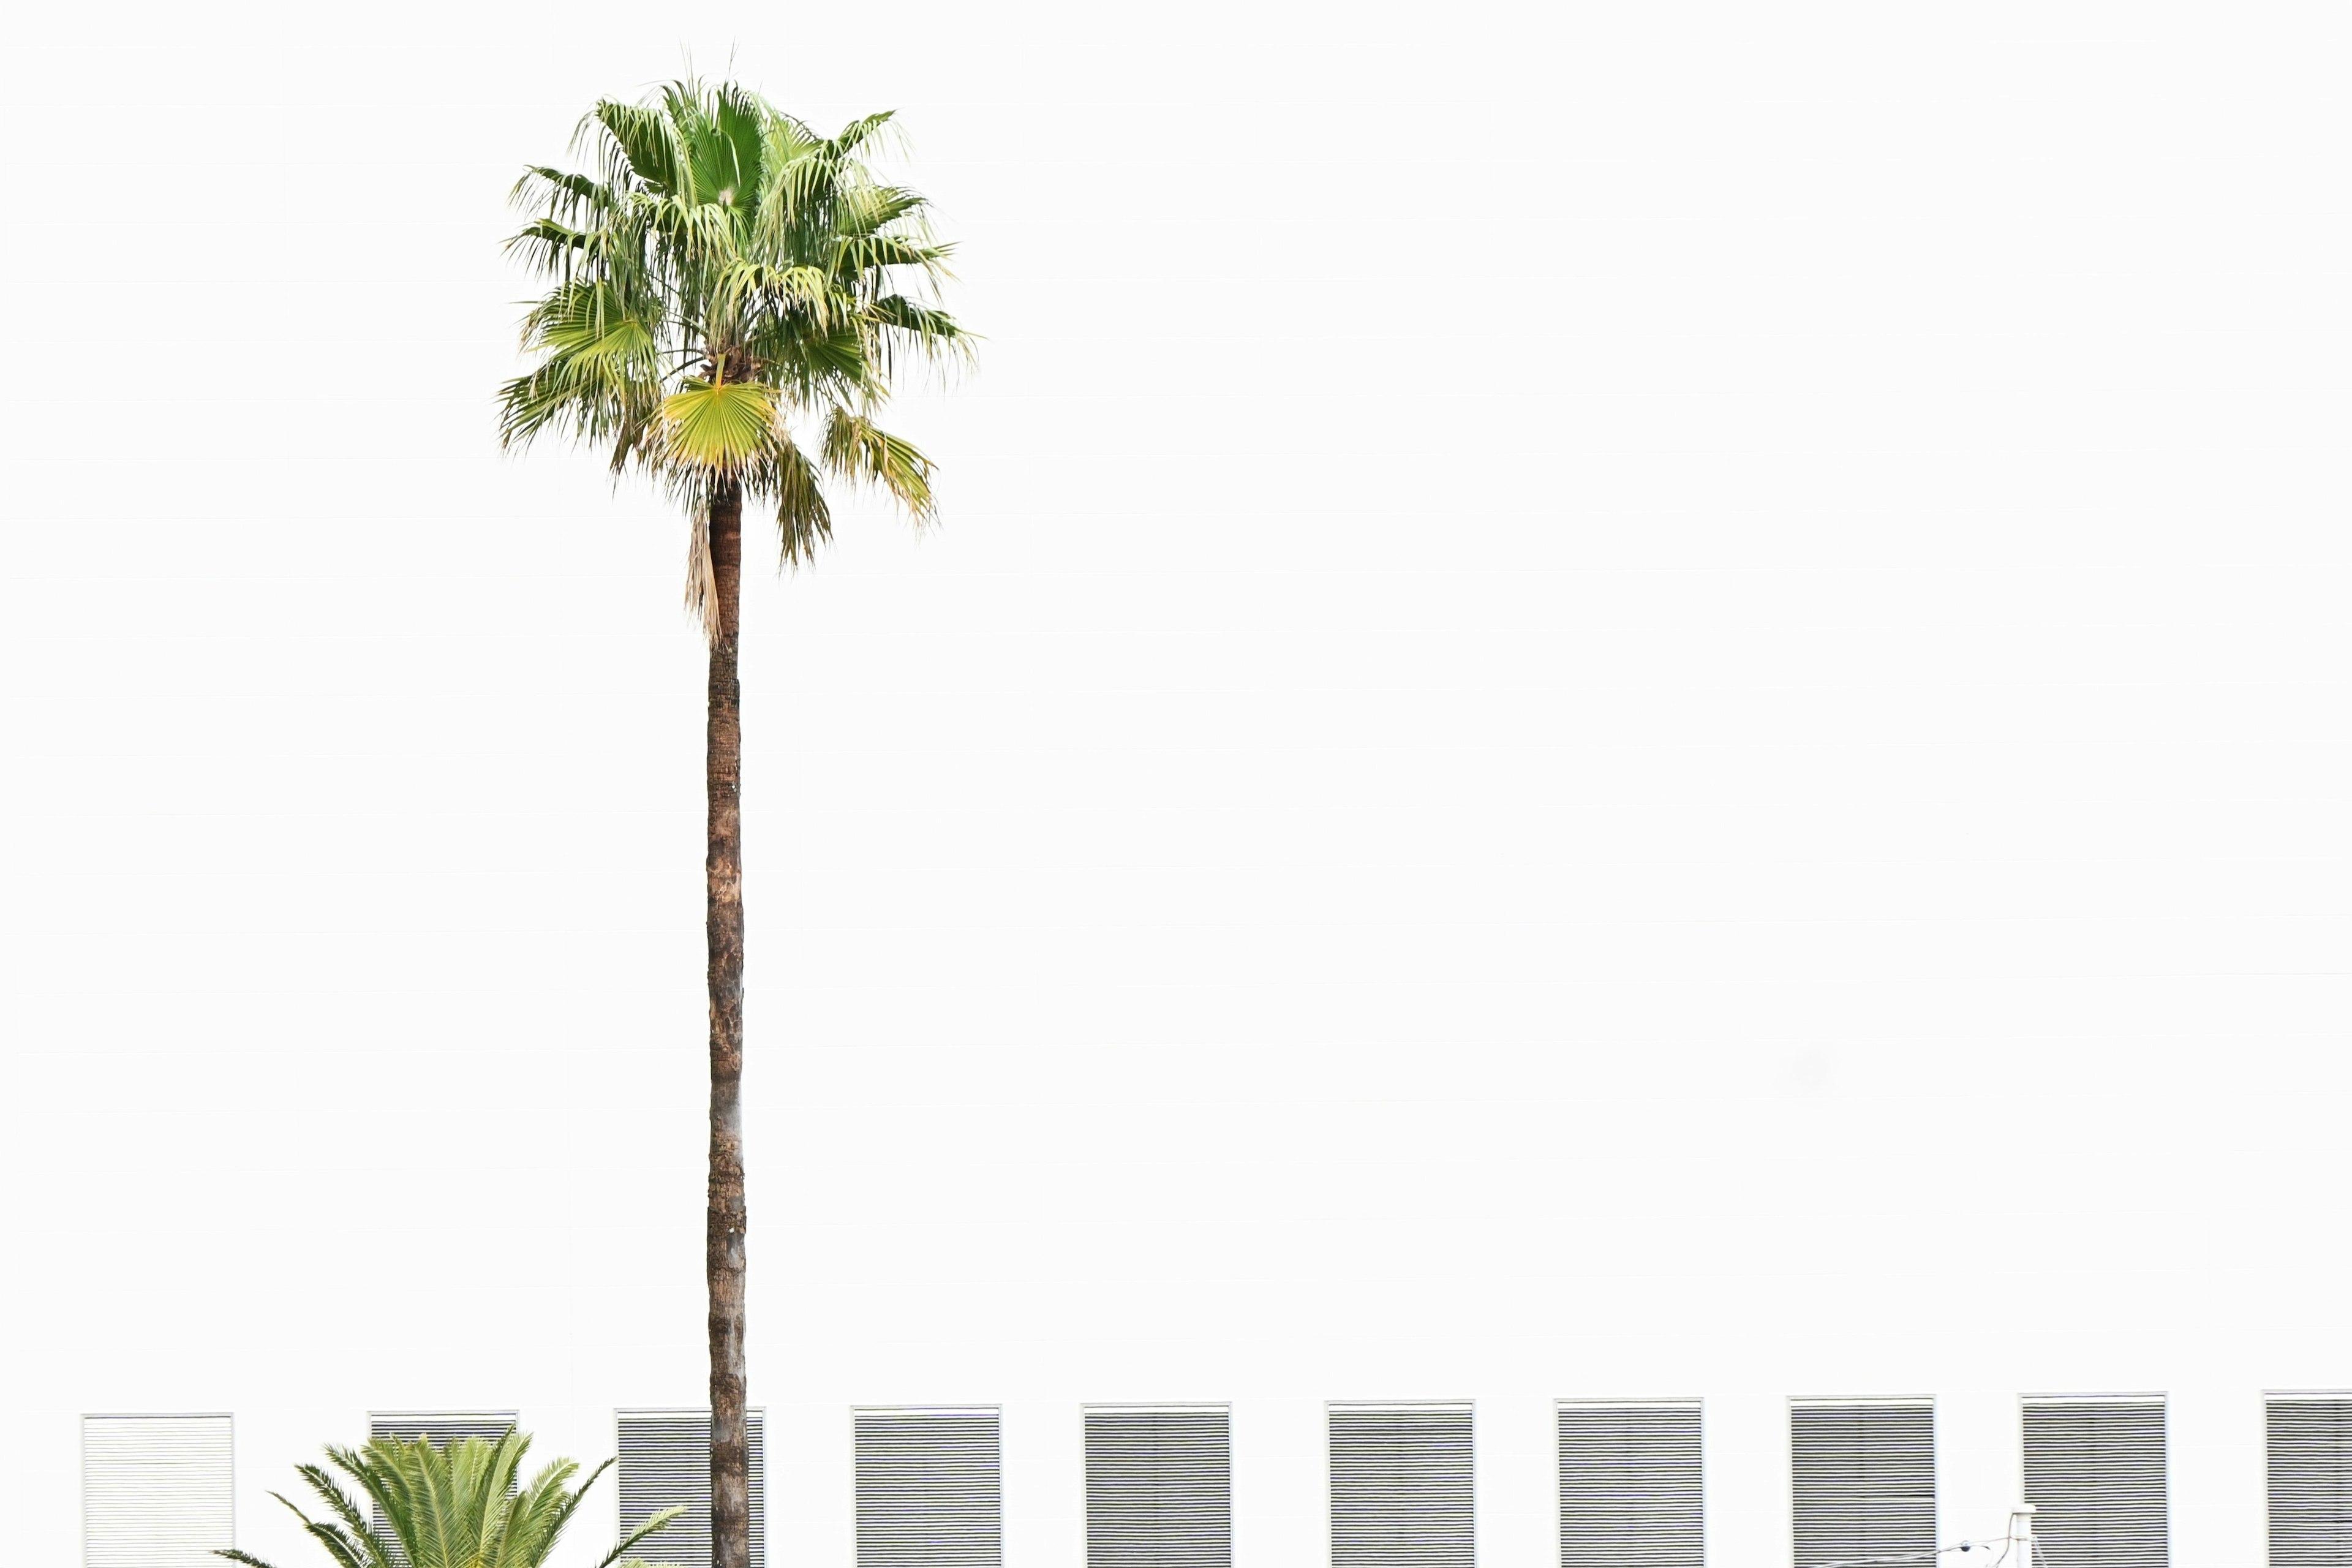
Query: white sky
[[1650, 676]]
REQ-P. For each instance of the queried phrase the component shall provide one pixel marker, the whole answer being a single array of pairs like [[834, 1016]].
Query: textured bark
[[731, 1517]]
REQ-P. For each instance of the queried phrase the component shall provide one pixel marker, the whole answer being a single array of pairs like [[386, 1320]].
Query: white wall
[[1610, 692]]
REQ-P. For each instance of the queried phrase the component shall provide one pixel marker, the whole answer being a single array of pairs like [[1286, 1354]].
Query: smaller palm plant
[[454, 1507]]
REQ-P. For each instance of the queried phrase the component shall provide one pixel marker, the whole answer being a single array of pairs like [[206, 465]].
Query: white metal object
[[1632, 1483], [2307, 1477], [2095, 1469], [1402, 1484], [929, 1486], [1160, 1487], [1862, 1478], [156, 1490]]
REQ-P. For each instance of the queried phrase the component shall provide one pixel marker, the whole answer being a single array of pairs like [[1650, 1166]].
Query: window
[[1159, 1487], [929, 1487], [664, 1462], [1630, 1485], [1862, 1478], [2094, 1474], [155, 1491], [1402, 1485], [2308, 1452], [441, 1430]]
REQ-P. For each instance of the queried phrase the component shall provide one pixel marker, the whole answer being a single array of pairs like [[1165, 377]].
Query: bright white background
[[1616, 700]]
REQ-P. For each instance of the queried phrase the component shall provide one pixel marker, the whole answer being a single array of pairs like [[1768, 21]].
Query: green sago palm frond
[[460, 1506]]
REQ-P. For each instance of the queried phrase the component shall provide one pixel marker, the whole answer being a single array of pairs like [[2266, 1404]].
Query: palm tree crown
[[456, 1507], [732, 295]]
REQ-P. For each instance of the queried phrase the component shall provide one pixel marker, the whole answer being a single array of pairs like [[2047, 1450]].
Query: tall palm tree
[[732, 295], [458, 1506]]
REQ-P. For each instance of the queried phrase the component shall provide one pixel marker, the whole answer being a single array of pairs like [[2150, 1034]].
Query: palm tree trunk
[[731, 1517]]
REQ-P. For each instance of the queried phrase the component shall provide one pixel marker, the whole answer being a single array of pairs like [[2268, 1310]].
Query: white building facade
[[1611, 827]]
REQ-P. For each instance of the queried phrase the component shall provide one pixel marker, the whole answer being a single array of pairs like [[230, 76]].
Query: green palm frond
[[727, 147], [857, 133], [570, 193], [868, 209], [547, 243], [641, 145], [857, 450], [740, 285], [908, 328], [461, 1506], [720, 427], [804, 520], [350, 1536], [820, 367], [661, 1519]]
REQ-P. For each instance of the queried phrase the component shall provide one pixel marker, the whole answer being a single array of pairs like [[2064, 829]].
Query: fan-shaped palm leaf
[[723, 427]]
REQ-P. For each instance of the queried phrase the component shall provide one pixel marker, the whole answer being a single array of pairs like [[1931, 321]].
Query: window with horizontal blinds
[[1862, 1478], [1402, 1485], [929, 1487], [156, 1490], [2094, 1475], [1631, 1484], [2307, 1457], [440, 1428], [1160, 1489], [663, 1461]]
